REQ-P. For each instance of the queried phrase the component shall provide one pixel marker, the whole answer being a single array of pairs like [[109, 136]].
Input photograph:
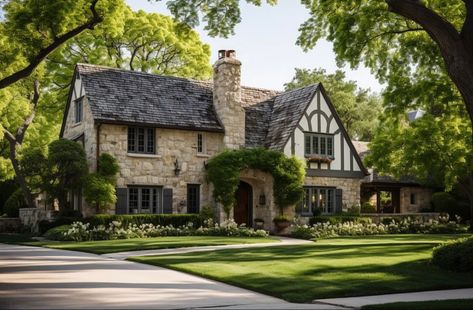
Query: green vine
[[224, 170]]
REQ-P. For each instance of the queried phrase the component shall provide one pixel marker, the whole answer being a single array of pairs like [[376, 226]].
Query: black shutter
[[167, 200], [122, 201], [338, 200]]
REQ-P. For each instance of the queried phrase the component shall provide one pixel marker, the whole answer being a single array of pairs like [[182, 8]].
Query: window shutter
[[338, 200], [122, 203], [167, 200]]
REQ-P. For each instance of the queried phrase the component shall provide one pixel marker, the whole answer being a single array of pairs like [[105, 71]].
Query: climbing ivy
[[223, 171]]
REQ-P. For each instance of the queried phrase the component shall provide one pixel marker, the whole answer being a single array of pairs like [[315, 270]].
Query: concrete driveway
[[33, 277]]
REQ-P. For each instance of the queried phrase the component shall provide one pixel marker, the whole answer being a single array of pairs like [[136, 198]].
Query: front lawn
[[453, 304], [137, 244], [351, 266]]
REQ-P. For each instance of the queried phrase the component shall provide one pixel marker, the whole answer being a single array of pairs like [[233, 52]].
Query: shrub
[[455, 255], [108, 167], [443, 202], [206, 213], [57, 233], [175, 220], [14, 203], [337, 219], [280, 218], [46, 225], [98, 191], [367, 207]]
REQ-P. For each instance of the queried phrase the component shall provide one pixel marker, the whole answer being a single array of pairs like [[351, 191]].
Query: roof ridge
[[300, 88], [143, 73]]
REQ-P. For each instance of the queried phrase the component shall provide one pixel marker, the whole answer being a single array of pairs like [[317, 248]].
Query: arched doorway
[[243, 210]]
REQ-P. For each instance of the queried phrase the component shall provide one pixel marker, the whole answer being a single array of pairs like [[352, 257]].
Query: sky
[[264, 42]]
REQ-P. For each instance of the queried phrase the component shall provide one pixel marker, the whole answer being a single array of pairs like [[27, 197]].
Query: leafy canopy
[[223, 171], [358, 109]]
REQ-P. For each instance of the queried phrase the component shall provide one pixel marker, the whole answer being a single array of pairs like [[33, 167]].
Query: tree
[[67, 168], [358, 109], [436, 150]]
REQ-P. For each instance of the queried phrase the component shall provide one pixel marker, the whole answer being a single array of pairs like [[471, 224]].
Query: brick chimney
[[227, 98]]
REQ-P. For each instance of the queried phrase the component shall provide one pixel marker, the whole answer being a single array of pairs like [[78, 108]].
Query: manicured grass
[[137, 244], [453, 304], [327, 268]]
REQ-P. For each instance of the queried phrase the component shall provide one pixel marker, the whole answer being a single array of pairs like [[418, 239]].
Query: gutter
[[97, 149]]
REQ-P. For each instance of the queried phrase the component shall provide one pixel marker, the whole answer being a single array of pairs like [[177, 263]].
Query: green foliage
[[358, 109], [7, 188], [280, 219], [175, 220], [14, 203], [220, 17], [108, 166], [224, 170], [455, 255], [45, 225], [99, 191], [443, 202], [67, 167], [367, 207], [206, 213], [339, 219], [57, 233]]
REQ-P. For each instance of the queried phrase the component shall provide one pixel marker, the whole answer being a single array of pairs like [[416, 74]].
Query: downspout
[[97, 148]]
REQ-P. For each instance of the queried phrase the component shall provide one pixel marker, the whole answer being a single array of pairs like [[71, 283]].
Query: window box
[[319, 159]]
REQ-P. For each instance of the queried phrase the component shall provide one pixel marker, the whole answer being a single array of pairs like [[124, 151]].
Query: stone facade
[[350, 188], [159, 169], [227, 101], [423, 197]]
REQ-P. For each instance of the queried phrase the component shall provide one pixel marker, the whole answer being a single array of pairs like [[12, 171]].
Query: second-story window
[[141, 140], [78, 110], [318, 144], [200, 143]]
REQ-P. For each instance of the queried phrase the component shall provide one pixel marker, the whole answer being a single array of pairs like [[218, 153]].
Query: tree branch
[[58, 41], [20, 134], [440, 30], [466, 32]]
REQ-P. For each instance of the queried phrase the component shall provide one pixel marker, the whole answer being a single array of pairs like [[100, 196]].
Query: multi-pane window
[[193, 198], [318, 144], [141, 140], [317, 197], [79, 106], [200, 143], [145, 200]]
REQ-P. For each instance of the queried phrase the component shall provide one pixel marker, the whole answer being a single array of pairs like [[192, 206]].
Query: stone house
[[163, 130]]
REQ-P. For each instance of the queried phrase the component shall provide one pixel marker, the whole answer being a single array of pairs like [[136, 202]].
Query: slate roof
[[122, 96]]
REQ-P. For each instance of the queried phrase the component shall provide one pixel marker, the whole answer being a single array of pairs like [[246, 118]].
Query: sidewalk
[[357, 302], [283, 242]]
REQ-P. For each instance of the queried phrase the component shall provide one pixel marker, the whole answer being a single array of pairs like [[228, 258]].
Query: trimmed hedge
[[455, 255], [339, 219], [57, 233], [46, 225], [175, 220], [14, 203]]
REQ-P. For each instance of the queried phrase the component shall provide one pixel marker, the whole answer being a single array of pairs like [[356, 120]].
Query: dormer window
[[318, 144], [78, 109]]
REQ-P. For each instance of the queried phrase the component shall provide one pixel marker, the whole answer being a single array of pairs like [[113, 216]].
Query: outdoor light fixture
[[177, 167], [262, 199]]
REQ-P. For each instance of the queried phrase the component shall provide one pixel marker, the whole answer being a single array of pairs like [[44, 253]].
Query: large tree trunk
[[29, 200]]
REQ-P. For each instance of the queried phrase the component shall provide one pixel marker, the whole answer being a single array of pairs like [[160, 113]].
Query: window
[[318, 144], [193, 198], [200, 143], [78, 109], [141, 140], [317, 197], [145, 200], [413, 199]]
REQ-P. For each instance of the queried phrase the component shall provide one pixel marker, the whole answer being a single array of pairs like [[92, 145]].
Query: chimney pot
[[222, 54]]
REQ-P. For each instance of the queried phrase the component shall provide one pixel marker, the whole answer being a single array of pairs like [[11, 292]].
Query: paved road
[[283, 241], [33, 277]]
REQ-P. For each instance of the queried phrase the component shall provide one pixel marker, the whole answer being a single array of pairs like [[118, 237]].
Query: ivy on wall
[[223, 171]]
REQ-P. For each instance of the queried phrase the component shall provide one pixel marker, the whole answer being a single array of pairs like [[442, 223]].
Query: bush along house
[[163, 130]]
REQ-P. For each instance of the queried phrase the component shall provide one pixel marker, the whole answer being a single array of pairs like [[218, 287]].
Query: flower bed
[[406, 226], [79, 231]]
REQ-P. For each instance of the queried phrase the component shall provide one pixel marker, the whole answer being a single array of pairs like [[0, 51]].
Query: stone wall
[[350, 187], [227, 101], [423, 199], [158, 169], [30, 217]]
